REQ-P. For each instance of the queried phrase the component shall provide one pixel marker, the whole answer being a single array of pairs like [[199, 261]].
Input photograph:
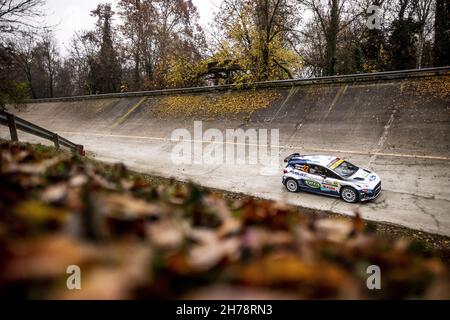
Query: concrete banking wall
[[409, 117]]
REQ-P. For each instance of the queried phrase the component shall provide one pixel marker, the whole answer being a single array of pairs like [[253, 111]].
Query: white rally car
[[330, 176]]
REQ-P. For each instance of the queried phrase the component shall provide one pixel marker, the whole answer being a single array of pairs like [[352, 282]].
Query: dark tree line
[[149, 44], [442, 33]]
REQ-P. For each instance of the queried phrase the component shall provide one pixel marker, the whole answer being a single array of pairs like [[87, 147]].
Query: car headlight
[[364, 188]]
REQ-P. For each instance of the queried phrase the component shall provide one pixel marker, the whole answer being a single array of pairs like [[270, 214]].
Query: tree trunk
[[264, 30], [331, 36], [50, 83], [420, 44], [442, 34], [137, 75], [30, 82]]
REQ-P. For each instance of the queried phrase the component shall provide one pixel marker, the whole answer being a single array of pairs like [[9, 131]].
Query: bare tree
[[332, 17], [441, 54], [83, 49], [48, 52], [138, 30], [424, 11], [155, 33], [23, 52], [176, 26], [16, 14]]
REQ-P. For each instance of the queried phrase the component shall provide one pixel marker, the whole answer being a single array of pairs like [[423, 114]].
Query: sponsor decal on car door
[[330, 185], [313, 182]]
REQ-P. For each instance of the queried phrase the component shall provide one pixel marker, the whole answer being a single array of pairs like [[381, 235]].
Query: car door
[[312, 181], [298, 172], [330, 184]]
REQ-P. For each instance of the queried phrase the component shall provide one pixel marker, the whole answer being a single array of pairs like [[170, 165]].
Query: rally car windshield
[[346, 169]]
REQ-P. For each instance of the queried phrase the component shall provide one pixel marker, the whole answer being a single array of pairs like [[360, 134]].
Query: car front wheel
[[292, 185], [349, 195]]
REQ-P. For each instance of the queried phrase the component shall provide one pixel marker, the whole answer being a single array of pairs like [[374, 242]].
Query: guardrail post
[[56, 140], [12, 127]]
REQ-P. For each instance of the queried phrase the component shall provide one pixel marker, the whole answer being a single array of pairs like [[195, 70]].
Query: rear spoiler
[[291, 156]]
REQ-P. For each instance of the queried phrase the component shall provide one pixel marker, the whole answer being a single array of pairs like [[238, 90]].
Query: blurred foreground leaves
[[133, 240]]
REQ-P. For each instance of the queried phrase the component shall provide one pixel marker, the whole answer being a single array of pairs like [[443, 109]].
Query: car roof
[[313, 159]]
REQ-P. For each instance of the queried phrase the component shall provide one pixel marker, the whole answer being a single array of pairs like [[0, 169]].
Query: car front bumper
[[363, 196]]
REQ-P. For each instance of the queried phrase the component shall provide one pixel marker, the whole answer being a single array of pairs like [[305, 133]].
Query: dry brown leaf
[[44, 257], [122, 206], [33, 168], [55, 193], [38, 213], [229, 226], [335, 230], [124, 267], [166, 234], [78, 180], [206, 256], [287, 270]]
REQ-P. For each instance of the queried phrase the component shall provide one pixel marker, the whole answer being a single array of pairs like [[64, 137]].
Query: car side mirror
[[324, 176]]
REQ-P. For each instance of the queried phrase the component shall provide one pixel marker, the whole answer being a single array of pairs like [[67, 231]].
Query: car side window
[[316, 170], [302, 167], [331, 174]]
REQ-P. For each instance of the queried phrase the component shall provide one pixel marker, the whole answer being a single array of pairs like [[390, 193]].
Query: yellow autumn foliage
[[216, 106], [436, 87]]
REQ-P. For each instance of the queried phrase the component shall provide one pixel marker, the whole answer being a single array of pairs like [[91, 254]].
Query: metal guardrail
[[15, 123], [362, 77]]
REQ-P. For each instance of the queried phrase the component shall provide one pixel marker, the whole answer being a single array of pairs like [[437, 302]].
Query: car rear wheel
[[349, 195], [292, 185]]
